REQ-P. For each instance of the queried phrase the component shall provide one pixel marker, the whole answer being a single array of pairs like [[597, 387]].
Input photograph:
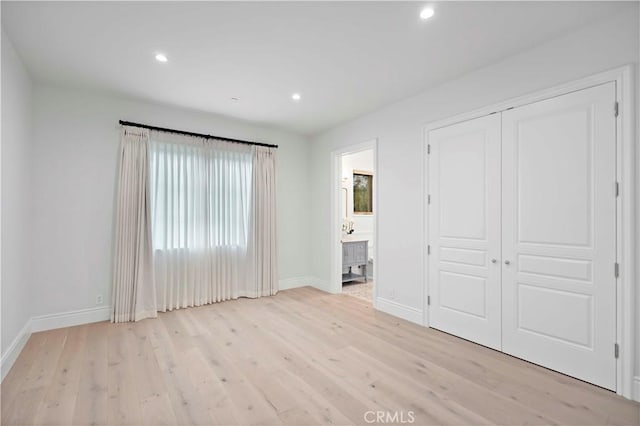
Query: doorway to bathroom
[[355, 219]]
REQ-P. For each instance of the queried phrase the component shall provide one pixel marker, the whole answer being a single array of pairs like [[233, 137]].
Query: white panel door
[[558, 235], [464, 230]]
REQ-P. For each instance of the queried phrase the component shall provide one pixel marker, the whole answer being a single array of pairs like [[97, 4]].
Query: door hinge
[[616, 350], [428, 149], [428, 300], [429, 199], [616, 108], [617, 269], [428, 249], [617, 189]]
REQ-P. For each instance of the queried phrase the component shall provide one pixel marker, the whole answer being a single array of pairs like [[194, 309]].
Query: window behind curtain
[[200, 195]]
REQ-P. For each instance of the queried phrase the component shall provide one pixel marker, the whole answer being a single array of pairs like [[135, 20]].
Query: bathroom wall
[[363, 224]]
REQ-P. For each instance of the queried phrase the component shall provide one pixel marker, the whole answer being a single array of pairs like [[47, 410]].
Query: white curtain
[[201, 202], [133, 289], [196, 223], [264, 256]]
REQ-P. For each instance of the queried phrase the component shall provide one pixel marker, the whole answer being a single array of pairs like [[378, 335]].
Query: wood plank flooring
[[302, 357]]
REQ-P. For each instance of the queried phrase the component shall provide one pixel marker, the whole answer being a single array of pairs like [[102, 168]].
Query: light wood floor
[[302, 357]]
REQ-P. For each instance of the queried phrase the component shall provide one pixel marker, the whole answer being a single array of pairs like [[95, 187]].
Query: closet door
[[464, 230], [558, 235]]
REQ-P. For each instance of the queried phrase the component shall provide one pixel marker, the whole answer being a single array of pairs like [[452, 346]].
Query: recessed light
[[161, 57], [426, 13], [296, 96]]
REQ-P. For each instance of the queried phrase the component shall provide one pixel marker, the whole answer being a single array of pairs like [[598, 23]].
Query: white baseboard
[[321, 284], [11, 354], [399, 310], [295, 282], [636, 389], [69, 319]]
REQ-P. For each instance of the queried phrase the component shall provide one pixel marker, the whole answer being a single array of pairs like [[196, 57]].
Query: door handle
[[506, 262], [493, 260]]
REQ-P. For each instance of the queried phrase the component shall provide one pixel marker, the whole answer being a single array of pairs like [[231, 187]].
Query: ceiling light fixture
[[161, 57], [296, 96], [426, 13]]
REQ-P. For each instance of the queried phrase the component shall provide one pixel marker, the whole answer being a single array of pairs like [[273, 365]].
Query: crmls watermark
[[396, 417]]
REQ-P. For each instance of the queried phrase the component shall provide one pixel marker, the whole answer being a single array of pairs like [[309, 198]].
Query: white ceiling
[[345, 58]]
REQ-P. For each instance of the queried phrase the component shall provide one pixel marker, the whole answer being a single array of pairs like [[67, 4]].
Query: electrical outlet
[[99, 299]]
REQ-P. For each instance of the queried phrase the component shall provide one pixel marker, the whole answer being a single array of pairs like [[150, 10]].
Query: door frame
[[335, 285], [625, 204]]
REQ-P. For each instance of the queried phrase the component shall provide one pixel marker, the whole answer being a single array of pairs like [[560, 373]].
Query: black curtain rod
[[200, 135]]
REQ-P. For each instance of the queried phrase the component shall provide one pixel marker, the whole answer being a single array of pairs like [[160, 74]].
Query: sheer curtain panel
[[201, 202], [133, 295]]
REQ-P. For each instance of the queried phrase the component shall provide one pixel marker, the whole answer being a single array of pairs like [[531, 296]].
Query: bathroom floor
[[359, 289]]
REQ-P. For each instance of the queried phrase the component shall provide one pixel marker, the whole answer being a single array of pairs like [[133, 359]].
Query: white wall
[[16, 191], [76, 140], [363, 224], [399, 129]]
